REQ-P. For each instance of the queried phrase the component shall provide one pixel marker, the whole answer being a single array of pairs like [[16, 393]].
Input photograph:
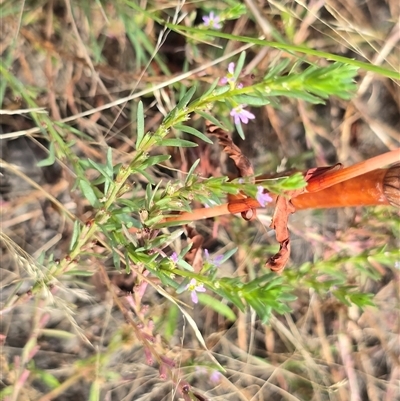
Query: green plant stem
[[291, 48]]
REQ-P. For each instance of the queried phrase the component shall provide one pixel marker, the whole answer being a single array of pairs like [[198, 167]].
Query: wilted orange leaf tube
[[377, 187], [356, 170], [363, 190]]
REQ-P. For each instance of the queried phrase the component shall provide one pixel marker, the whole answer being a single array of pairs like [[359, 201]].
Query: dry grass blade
[[73, 74]]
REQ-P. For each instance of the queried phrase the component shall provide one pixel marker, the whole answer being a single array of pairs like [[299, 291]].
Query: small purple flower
[[215, 376], [213, 261], [194, 288], [229, 76], [241, 115], [174, 257], [263, 198], [201, 370], [212, 21]]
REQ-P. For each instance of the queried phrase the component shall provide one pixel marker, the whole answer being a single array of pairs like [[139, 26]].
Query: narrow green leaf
[[277, 69], [127, 262], [239, 65], [211, 88], [84, 273], [116, 260], [211, 118], [94, 394], [178, 142], [56, 333], [50, 159], [240, 130], [221, 90], [154, 220], [195, 132], [75, 234], [258, 306], [232, 297], [151, 200], [103, 171], [251, 100], [217, 306], [228, 254], [185, 265], [163, 203], [171, 321], [287, 297], [172, 223], [88, 192], [152, 160], [109, 168], [139, 124], [185, 250], [148, 196], [190, 173], [47, 378], [186, 98], [148, 176]]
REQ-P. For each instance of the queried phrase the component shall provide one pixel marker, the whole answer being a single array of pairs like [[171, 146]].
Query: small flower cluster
[[239, 114], [214, 376], [194, 287]]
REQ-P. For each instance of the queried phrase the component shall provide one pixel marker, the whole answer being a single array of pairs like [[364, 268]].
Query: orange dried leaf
[[242, 205], [317, 172], [283, 209]]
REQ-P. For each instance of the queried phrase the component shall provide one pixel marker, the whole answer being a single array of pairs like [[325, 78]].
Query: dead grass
[[78, 59]]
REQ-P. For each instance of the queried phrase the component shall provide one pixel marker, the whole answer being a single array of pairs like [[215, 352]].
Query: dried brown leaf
[[280, 218], [279, 223], [194, 256], [242, 163], [278, 262]]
